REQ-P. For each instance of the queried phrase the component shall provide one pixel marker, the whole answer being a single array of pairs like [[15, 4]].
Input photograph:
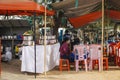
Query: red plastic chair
[[118, 56], [112, 52], [112, 49], [117, 46]]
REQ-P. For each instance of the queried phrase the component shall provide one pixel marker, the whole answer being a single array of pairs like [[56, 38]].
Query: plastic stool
[[64, 64]]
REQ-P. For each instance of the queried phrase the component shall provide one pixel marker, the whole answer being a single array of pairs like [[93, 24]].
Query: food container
[[28, 37], [15, 37], [25, 38], [5, 37], [9, 37]]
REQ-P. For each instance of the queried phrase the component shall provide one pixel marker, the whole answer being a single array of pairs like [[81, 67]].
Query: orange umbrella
[[24, 7]]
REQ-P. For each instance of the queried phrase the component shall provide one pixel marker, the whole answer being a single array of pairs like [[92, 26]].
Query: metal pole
[[0, 57], [102, 35], [34, 29], [45, 39]]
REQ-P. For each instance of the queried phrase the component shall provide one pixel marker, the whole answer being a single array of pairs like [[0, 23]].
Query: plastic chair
[[80, 56], [118, 56], [112, 52], [64, 64], [112, 49], [95, 54]]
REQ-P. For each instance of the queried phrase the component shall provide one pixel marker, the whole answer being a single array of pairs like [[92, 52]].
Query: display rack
[[11, 41]]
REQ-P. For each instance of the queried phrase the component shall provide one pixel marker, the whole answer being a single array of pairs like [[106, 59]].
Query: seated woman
[[65, 50]]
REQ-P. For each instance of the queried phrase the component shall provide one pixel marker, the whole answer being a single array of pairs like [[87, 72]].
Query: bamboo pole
[[45, 39], [102, 36]]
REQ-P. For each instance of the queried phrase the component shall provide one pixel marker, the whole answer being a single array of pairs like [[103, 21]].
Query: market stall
[[29, 8], [52, 58], [84, 13]]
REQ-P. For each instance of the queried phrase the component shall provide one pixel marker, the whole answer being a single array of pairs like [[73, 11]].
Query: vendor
[[65, 50]]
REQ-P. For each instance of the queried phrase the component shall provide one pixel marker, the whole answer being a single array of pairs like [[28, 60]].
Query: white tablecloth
[[28, 58]]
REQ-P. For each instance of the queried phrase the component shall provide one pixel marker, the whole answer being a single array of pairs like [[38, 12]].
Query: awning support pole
[[45, 15], [102, 36]]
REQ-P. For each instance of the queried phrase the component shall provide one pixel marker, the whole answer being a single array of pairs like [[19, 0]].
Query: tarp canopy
[[22, 7], [114, 3], [87, 10], [84, 7], [115, 15], [86, 19], [68, 4]]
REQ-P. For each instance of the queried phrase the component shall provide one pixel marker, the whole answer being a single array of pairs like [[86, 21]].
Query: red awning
[[115, 15], [24, 7], [86, 19]]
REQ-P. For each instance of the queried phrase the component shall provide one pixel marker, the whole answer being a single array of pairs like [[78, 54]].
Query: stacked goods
[[28, 38], [49, 40]]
